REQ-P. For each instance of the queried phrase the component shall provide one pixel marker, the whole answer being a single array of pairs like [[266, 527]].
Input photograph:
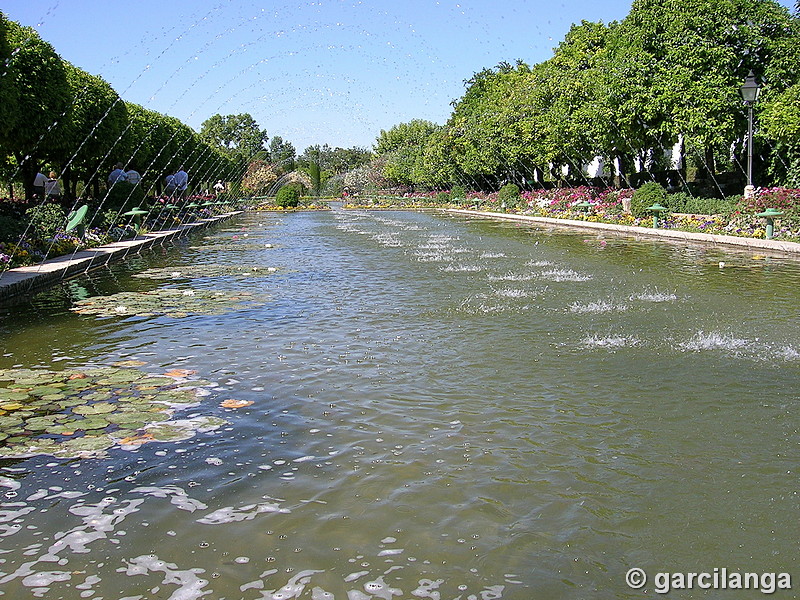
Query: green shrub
[[509, 195], [11, 228], [124, 195], [109, 219], [46, 220], [288, 197], [710, 206], [443, 197], [677, 202], [458, 193], [647, 195]]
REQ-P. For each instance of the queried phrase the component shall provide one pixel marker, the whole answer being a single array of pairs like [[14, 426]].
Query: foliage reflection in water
[[415, 405]]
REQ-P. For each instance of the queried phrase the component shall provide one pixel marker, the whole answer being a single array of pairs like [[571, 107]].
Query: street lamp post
[[749, 91]]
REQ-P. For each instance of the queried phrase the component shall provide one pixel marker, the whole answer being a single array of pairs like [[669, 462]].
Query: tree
[[239, 135], [35, 85], [402, 147], [282, 154], [688, 70], [93, 128], [259, 177]]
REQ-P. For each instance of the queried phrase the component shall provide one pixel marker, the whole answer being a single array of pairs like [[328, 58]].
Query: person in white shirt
[[38, 184], [219, 187], [116, 175]]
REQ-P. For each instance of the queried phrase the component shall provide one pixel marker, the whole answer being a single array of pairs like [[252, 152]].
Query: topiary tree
[[288, 196], [647, 195], [509, 195]]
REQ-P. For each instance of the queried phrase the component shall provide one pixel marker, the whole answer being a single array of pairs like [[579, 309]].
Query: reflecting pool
[[377, 405]]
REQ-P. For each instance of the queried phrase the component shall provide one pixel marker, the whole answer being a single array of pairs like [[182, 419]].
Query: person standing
[[132, 176], [169, 184], [181, 181], [219, 187], [52, 188], [117, 175], [39, 184]]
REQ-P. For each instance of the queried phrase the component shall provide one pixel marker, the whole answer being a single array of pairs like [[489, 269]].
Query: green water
[[441, 408]]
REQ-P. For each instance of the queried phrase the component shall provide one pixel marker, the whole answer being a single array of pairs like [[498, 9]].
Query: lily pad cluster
[[171, 302], [214, 270], [78, 413]]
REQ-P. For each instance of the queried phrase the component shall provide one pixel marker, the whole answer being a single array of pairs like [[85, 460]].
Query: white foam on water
[[492, 255], [512, 293], [513, 277], [609, 341], [600, 306], [176, 495], [788, 353], [702, 341], [655, 296], [564, 275], [462, 268], [9, 483], [190, 586]]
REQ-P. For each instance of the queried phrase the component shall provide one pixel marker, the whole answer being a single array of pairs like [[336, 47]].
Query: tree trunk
[[28, 169]]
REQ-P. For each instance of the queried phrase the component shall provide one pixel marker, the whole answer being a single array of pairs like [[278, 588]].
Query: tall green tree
[[402, 148], [95, 123], [689, 59], [282, 154], [239, 134], [35, 84]]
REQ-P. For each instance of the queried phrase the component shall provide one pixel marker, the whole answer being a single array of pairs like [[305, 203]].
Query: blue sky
[[331, 72]]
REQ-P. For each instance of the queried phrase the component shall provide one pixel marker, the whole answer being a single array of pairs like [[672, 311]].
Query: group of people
[[119, 175], [47, 187], [176, 184]]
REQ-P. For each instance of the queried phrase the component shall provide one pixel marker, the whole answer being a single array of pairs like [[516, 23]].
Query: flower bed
[[30, 235], [613, 206]]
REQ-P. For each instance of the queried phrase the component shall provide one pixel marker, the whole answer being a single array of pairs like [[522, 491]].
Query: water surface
[[441, 408]]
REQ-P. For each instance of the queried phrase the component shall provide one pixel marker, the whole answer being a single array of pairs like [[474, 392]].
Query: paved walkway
[[35, 277], [771, 246]]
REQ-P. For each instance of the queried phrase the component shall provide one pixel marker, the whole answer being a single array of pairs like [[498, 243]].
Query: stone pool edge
[[789, 248], [22, 280]]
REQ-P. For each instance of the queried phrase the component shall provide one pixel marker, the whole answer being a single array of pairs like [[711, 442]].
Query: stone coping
[[24, 280], [762, 245]]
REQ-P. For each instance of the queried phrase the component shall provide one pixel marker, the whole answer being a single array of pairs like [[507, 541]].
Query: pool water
[[416, 405]]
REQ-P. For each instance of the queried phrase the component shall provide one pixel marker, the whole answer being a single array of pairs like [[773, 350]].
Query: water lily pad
[[157, 381], [88, 443], [130, 363], [74, 407], [94, 409], [167, 301], [10, 420], [42, 423], [44, 390], [8, 395], [9, 406], [231, 403], [213, 270], [61, 430]]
